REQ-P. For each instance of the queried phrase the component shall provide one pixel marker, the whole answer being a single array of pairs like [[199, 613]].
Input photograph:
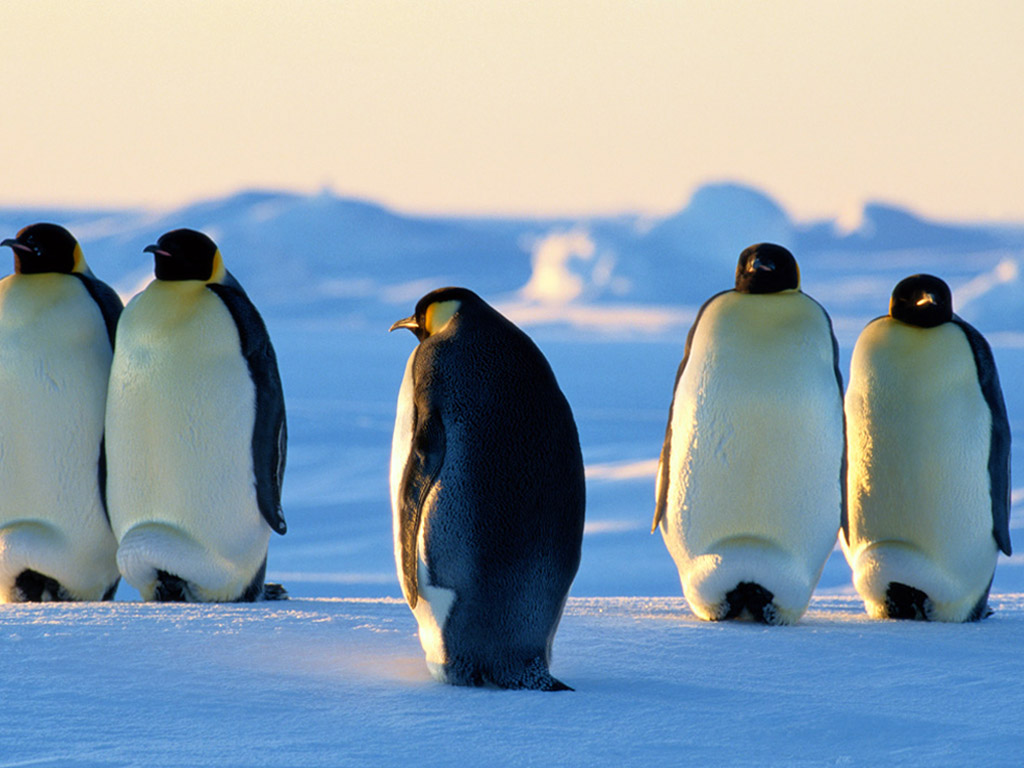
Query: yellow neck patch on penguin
[[218, 272], [80, 265], [438, 315]]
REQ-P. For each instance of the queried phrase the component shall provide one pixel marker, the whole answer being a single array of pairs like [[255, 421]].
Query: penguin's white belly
[[919, 435], [54, 361], [434, 603], [180, 414], [756, 453]]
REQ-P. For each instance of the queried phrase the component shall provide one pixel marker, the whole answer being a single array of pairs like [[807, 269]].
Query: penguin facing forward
[[487, 495], [196, 433], [57, 326], [929, 461], [750, 485]]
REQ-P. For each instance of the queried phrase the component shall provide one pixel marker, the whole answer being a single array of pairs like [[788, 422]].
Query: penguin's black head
[[184, 254], [40, 248], [435, 309], [921, 300], [767, 268]]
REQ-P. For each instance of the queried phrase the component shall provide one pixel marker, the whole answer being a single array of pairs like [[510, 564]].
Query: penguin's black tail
[[905, 602], [753, 600]]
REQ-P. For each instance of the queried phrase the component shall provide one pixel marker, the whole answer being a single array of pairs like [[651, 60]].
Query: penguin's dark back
[[511, 441]]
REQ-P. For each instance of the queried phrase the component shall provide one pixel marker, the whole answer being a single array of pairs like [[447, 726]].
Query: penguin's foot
[[905, 602], [33, 587], [171, 588], [752, 601], [273, 591], [532, 676]]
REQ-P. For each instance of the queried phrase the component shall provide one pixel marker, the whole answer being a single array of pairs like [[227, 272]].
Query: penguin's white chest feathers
[[757, 427], [54, 361], [919, 432], [180, 417]]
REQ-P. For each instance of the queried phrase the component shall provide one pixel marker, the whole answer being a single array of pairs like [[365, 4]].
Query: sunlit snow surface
[[336, 675], [327, 682]]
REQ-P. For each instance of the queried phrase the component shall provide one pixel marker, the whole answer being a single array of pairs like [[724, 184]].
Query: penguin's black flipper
[[999, 446], [109, 303], [270, 429], [421, 470], [110, 306]]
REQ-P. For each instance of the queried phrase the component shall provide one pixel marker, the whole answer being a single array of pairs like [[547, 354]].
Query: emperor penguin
[[57, 326], [196, 433], [487, 494], [750, 484], [929, 461]]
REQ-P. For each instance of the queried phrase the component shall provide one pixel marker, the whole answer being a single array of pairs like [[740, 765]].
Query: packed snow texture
[[336, 675]]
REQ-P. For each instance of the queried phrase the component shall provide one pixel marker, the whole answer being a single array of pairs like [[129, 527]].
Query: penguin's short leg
[[170, 588], [33, 587], [750, 600], [905, 602]]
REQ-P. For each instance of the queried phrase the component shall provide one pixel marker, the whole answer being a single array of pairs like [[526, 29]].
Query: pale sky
[[536, 106]]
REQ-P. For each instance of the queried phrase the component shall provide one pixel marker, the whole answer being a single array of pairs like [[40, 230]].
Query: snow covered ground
[[336, 676], [329, 682]]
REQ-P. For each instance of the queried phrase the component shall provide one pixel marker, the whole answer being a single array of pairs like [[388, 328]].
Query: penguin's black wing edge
[[110, 306], [664, 461], [421, 470], [270, 428], [106, 299], [844, 514], [999, 446]]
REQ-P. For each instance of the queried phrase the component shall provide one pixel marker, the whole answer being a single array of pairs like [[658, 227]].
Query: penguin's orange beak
[[408, 322]]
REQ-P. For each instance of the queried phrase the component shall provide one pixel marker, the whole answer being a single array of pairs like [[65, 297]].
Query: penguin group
[[145, 442], [148, 442], [765, 459]]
